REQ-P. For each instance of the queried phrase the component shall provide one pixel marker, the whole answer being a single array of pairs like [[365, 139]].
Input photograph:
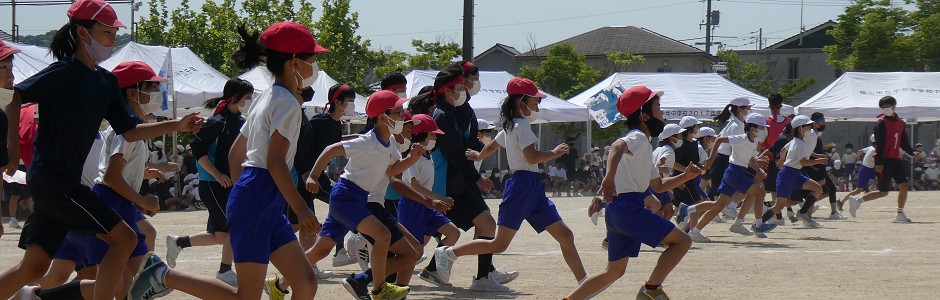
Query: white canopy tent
[[854, 96], [262, 79], [702, 95], [486, 103], [29, 61]]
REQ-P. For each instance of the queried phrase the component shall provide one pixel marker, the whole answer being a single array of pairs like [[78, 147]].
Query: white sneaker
[[487, 285], [729, 212], [503, 277], [321, 274], [740, 229], [28, 292], [718, 219], [421, 259], [343, 259], [359, 247], [229, 277], [792, 216], [16, 225], [594, 217], [854, 204], [698, 237], [778, 222], [836, 216], [808, 221], [444, 260], [902, 218], [172, 250]]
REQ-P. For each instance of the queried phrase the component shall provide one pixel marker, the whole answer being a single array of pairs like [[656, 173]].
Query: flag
[[166, 71], [603, 105]]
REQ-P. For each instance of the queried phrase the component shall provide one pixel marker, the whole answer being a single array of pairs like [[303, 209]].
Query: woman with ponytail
[[210, 149], [734, 114]]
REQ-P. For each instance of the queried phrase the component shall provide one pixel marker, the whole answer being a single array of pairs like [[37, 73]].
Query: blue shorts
[[333, 230], [865, 176], [73, 249], [849, 170], [128, 212], [788, 181], [255, 210], [347, 206], [524, 199], [419, 219], [629, 223], [735, 180], [663, 198]]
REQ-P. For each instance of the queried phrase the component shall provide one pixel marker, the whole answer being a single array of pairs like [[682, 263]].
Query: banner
[[603, 105]]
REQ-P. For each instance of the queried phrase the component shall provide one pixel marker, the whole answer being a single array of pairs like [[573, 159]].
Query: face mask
[[486, 139], [404, 145], [761, 136], [476, 88], [430, 145], [655, 126], [6, 96], [888, 111], [243, 109], [460, 100], [396, 127], [533, 115], [152, 106], [307, 82], [350, 109], [678, 142], [96, 50], [849, 151], [401, 95]]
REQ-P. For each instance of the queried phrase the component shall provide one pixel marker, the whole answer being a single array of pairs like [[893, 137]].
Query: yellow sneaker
[[391, 292], [270, 288], [657, 294]]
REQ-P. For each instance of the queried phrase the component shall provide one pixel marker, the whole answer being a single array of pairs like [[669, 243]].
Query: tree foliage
[[756, 77], [874, 35], [624, 60], [347, 60]]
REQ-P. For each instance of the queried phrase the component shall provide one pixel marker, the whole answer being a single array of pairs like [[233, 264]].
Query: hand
[[561, 149], [10, 169], [440, 205], [820, 161], [879, 168], [416, 150], [224, 180], [761, 162], [485, 184], [608, 189], [312, 185], [190, 123], [151, 173], [595, 206], [309, 225], [472, 155], [708, 164], [692, 170], [151, 205]]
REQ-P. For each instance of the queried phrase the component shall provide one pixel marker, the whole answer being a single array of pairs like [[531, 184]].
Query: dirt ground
[[861, 258]]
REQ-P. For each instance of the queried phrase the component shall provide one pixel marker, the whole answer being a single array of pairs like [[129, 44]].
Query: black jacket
[[459, 127], [221, 129]]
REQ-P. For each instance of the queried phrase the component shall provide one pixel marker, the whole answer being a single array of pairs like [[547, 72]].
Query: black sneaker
[[356, 288]]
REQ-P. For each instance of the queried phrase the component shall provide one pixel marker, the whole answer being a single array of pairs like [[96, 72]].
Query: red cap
[[523, 86], [97, 10], [381, 101], [130, 73], [290, 38], [425, 124], [634, 98], [7, 50]]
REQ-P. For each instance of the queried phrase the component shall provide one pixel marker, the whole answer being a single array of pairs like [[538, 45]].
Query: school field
[[861, 258]]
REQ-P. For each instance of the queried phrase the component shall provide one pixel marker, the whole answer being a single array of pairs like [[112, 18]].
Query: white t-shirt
[[702, 154], [275, 110], [134, 153], [90, 168], [514, 141], [742, 149], [636, 168], [797, 150], [734, 127], [848, 158], [932, 173], [667, 152], [368, 161], [558, 172], [869, 159], [423, 171]]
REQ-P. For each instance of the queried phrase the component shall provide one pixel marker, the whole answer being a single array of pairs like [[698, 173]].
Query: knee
[[614, 274], [121, 238], [499, 246], [382, 236], [565, 237]]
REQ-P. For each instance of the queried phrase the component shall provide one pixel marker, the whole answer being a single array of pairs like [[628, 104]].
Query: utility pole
[[760, 38], [13, 27], [468, 30], [708, 27]]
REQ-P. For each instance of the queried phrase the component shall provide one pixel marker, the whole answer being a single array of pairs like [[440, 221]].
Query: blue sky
[[392, 24]]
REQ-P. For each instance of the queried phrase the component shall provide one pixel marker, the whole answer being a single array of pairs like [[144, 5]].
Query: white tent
[[855, 95], [702, 95], [29, 61], [486, 103], [262, 79]]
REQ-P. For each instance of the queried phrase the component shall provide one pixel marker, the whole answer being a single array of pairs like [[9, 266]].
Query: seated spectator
[[932, 176], [559, 179], [918, 179], [585, 181]]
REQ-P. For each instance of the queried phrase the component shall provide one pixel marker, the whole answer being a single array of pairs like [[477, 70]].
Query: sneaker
[[698, 237], [657, 294], [503, 277], [760, 235], [391, 292], [431, 277], [359, 247], [808, 221], [836, 216], [594, 210], [172, 250], [321, 274], [342, 258], [356, 289], [149, 284], [16, 224], [854, 204], [902, 218], [271, 289], [719, 219], [445, 261], [841, 204], [778, 222], [740, 229], [729, 212], [229, 277], [792, 216], [765, 228], [421, 259], [488, 285], [28, 292]]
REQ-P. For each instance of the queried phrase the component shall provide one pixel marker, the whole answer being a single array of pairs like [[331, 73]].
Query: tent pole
[[540, 136], [590, 137]]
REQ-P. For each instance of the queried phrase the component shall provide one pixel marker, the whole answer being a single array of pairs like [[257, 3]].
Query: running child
[[792, 184], [524, 197], [665, 158], [630, 173], [866, 173]]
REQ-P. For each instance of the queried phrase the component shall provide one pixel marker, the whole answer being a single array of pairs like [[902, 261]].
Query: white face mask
[[152, 106], [6, 96], [430, 145], [96, 50], [678, 142], [404, 145], [476, 88], [401, 95], [396, 127], [307, 82], [460, 100], [244, 109], [350, 109], [888, 111], [761, 135], [533, 114]]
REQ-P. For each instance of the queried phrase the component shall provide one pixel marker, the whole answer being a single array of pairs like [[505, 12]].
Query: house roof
[[815, 37], [509, 50], [5, 36], [636, 40]]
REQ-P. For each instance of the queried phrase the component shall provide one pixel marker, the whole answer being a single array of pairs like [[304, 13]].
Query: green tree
[[755, 76], [926, 31], [873, 35], [336, 30], [624, 60], [433, 55]]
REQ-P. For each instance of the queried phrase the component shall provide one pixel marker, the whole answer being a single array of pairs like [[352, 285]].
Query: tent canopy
[[493, 91], [29, 61], [702, 95], [854, 96], [262, 79]]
